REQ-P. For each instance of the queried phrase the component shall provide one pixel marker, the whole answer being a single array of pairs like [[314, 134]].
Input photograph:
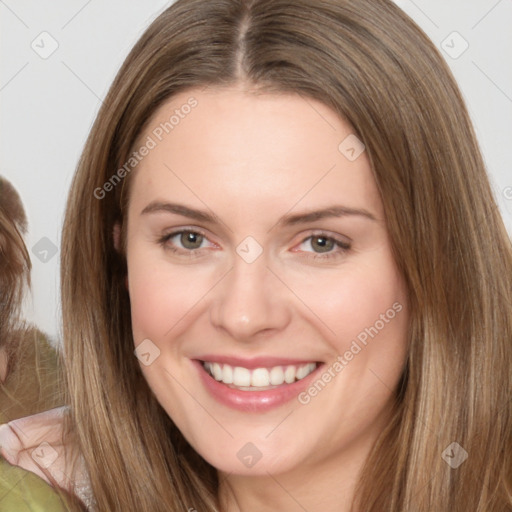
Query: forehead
[[245, 150]]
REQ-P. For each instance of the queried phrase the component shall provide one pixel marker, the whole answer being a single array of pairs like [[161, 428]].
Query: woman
[[28, 363], [286, 217], [29, 369]]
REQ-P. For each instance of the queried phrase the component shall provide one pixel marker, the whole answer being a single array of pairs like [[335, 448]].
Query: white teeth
[[276, 376], [259, 377], [227, 374], [302, 372], [217, 371], [289, 374], [241, 376]]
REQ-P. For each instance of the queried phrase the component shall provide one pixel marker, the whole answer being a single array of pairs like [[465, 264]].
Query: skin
[[250, 160]]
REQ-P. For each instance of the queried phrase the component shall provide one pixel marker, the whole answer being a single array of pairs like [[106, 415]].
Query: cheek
[[154, 306], [355, 297], [162, 294], [369, 300], [362, 311]]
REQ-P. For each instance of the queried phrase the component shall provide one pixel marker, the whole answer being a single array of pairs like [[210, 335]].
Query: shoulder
[[37, 444], [22, 491]]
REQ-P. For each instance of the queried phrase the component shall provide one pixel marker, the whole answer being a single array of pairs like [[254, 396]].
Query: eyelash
[[163, 241], [340, 244]]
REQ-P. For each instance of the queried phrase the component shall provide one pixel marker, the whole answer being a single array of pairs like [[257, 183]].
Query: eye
[[185, 241], [324, 246]]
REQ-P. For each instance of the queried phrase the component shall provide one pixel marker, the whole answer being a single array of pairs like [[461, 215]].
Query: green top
[[24, 491], [31, 387]]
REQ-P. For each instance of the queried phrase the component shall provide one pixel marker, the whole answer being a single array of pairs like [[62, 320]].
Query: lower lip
[[253, 401]]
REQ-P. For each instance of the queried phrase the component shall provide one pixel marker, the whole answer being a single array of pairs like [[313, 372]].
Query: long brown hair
[[374, 67], [14, 269]]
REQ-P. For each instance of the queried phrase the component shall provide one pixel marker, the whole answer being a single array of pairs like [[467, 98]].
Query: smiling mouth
[[257, 379]]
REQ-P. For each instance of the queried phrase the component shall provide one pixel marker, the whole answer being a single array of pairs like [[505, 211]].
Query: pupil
[[323, 243], [191, 240]]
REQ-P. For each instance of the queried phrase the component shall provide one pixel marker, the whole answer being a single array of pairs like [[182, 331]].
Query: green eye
[[321, 246], [322, 243], [184, 242], [191, 240]]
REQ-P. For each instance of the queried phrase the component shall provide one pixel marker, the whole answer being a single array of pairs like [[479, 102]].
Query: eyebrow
[[178, 209], [286, 220]]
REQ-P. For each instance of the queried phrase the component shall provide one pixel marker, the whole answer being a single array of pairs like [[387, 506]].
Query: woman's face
[[257, 251]]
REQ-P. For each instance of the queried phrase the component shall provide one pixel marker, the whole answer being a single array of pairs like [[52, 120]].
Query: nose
[[250, 301]]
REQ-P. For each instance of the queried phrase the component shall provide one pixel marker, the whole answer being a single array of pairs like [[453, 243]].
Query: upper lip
[[255, 362]]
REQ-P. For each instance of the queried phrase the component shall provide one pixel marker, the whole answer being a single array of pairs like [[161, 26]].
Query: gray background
[[49, 101]]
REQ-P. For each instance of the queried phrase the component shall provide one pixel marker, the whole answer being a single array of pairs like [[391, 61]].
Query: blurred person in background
[[29, 365]]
